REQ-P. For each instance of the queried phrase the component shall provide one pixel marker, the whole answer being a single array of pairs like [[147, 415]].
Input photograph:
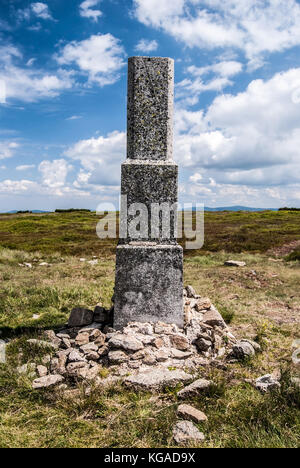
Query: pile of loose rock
[[89, 344]]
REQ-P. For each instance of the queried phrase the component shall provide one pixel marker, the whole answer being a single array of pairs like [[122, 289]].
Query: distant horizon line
[[206, 208]]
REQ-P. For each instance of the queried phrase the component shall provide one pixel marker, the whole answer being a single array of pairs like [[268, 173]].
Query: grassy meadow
[[260, 301]]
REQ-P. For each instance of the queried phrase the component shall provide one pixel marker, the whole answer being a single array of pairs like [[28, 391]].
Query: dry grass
[[260, 301]]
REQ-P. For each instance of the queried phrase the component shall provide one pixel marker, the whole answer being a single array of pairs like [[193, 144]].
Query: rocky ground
[[145, 356], [229, 378]]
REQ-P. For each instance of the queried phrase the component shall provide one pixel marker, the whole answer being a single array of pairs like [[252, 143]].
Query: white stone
[[75, 356], [234, 263], [190, 413], [156, 379], [267, 383], [48, 381], [194, 388], [185, 432], [128, 343]]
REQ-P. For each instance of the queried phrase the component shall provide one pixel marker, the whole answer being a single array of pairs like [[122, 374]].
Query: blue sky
[[63, 66]]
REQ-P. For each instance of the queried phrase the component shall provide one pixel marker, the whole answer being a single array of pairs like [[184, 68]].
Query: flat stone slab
[[149, 284], [185, 432], [194, 388], [48, 381], [157, 379], [126, 342], [234, 263], [190, 413], [213, 318]]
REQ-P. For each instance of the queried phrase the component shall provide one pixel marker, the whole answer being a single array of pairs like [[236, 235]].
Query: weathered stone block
[[149, 284], [80, 317], [150, 108], [155, 186]]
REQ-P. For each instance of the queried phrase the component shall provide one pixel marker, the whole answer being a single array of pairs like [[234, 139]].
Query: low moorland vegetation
[[260, 301]]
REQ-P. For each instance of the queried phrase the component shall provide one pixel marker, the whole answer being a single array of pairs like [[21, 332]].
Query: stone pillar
[[149, 268]]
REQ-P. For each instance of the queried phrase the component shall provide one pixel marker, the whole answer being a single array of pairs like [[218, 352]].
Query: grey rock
[[50, 335], [28, 369], [43, 344], [100, 315], [296, 381], [80, 317], [128, 343], [89, 347], [190, 291], [267, 383], [142, 328], [93, 373], [190, 413], [177, 354], [75, 356], [117, 357], [82, 339], [255, 346], [194, 388], [75, 368], [97, 337], [103, 351], [203, 344], [46, 359], [92, 356], [42, 371], [162, 354], [138, 355], [150, 359], [156, 379], [48, 381], [179, 342], [63, 335], [242, 350], [233, 263], [213, 318], [203, 304], [162, 328], [185, 432], [149, 266], [65, 343]]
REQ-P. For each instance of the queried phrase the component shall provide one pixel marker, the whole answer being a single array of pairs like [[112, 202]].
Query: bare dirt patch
[[285, 249]]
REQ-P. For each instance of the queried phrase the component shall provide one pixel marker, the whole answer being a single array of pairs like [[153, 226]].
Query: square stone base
[[149, 284]]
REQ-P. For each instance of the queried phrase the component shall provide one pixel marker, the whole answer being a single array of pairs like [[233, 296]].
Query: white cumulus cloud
[[100, 158], [87, 10], [7, 149], [41, 10], [257, 27], [144, 45], [249, 141], [100, 57], [54, 173], [29, 84]]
